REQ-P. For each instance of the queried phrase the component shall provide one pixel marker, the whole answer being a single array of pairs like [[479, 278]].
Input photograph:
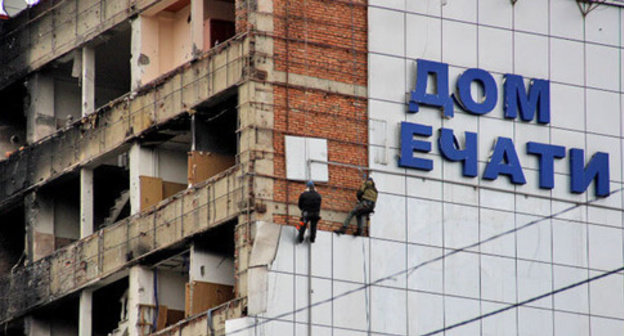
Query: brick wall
[[327, 40]]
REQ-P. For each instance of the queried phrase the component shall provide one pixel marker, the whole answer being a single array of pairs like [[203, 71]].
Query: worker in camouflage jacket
[[310, 206], [367, 196]]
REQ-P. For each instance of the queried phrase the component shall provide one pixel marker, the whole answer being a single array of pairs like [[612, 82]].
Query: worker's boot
[[341, 230]]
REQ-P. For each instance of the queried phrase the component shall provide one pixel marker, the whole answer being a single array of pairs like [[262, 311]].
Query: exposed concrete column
[[85, 318], [140, 292], [136, 71], [40, 120], [143, 162], [86, 202], [88, 80], [197, 26], [39, 226], [36, 327]]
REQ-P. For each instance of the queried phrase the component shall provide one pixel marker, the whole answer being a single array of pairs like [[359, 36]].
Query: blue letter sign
[[597, 169], [467, 156], [441, 97], [409, 146], [537, 100], [504, 161], [490, 92]]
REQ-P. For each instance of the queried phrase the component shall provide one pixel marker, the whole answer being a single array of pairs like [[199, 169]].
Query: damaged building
[[143, 185], [152, 153]]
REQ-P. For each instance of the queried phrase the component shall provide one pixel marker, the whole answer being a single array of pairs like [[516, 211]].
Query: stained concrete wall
[[171, 287], [172, 165], [66, 101], [211, 267], [165, 42]]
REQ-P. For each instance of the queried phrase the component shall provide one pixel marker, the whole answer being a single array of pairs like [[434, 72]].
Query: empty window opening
[[211, 273], [163, 302], [112, 65], [12, 119], [215, 140], [167, 150], [61, 317], [11, 239], [111, 194], [110, 309], [219, 17], [54, 97], [62, 200]]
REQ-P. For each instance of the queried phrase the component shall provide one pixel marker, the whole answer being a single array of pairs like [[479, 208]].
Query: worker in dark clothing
[[367, 196], [310, 206]]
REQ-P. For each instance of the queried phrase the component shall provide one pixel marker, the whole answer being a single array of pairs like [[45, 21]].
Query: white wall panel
[[462, 274], [569, 243], [566, 19], [531, 55], [390, 219], [567, 105], [387, 31], [388, 258], [492, 223], [458, 310], [533, 321], [533, 242], [607, 296], [459, 45], [495, 13], [495, 49], [571, 324], [423, 36], [349, 311], [429, 7], [388, 302], [566, 61], [349, 256], [465, 10], [427, 274], [603, 326], [425, 312], [603, 26], [424, 222], [574, 300], [461, 225], [602, 62], [531, 16], [534, 279]]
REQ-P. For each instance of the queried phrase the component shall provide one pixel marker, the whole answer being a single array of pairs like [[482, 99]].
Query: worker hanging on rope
[[310, 206], [367, 196]]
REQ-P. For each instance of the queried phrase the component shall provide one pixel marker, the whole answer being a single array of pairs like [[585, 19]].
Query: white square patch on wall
[[306, 159]]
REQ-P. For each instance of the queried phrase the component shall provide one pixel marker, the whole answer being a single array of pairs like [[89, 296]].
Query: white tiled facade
[[422, 216]]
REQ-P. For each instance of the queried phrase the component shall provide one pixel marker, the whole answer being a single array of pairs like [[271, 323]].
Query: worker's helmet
[[310, 184]]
